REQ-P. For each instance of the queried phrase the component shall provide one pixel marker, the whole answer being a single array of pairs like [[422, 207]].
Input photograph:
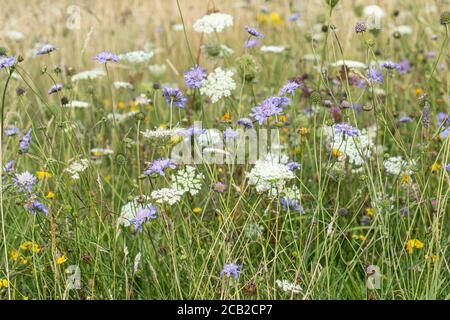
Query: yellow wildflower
[[303, 131], [406, 179], [435, 167], [61, 259], [275, 18], [370, 211], [197, 210], [3, 283], [24, 260], [419, 91], [413, 244], [336, 153], [50, 195], [43, 174], [121, 105], [26, 245], [14, 255], [36, 248], [282, 118], [226, 116]]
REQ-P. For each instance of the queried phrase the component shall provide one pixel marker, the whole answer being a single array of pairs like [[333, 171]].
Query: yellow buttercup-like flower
[[43, 174], [14, 255], [61, 259], [26, 245], [435, 167], [413, 244], [370, 211], [50, 195], [197, 210], [3, 283]]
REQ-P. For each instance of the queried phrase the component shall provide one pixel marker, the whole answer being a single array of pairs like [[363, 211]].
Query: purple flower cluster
[[6, 62], [270, 107], [142, 216], [34, 206], [24, 181], [230, 134], [443, 118], [9, 166], [253, 32], [194, 77], [390, 65], [12, 131], [230, 269], [158, 166], [345, 129], [250, 43], [55, 88], [24, 142], [106, 56], [291, 205], [374, 75], [289, 88], [246, 123], [293, 165], [46, 49], [174, 97]]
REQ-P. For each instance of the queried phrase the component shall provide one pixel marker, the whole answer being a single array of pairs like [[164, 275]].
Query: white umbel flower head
[[187, 180], [272, 49], [270, 175], [396, 166], [76, 167], [89, 75], [166, 195], [219, 84], [214, 22], [356, 149], [136, 57], [288, 286], [77, 104]]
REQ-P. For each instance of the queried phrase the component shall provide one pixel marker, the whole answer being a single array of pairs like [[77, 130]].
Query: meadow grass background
[[183, 252]]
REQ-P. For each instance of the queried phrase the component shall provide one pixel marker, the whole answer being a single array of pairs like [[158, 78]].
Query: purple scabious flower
[[24, 181], [106, 56], [293, 165], [6, 62], [447, 167], [34, 206], [442, 118], [192, 131], [245, 122], [250, 43], [158, 166], [253, 32], [357, 107], [289, 88], [142, 216], [390, 65], [46, 49], [294, 17], [55, 88], [194, 77], [360, 27], [404, 119], [230, 134], [404, 66], [174, 96], [374, 75], [9, 166], [25, 141], [444, 134], [12, 131], [230, 269], [270, 107], [345, 129], [291, 205]]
